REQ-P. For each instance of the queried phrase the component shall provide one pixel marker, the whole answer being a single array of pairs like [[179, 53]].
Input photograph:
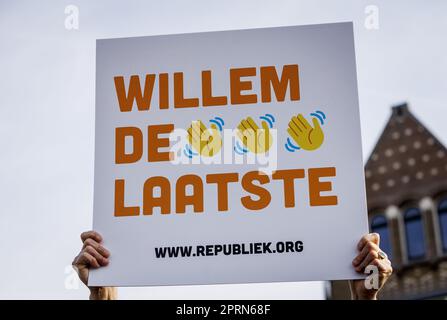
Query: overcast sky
[[47, 114]]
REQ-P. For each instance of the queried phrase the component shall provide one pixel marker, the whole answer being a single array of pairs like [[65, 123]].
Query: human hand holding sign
[[370, 254], [207, 142], [256, 140], [93, 255], [307, 137]]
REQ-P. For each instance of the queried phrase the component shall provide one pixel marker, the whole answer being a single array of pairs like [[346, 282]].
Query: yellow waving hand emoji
[[256, 140], [307, 137], [207, 142]]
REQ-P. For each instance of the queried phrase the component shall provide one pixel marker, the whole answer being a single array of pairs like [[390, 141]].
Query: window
[[442, 212], [414, 231], [379, 225]]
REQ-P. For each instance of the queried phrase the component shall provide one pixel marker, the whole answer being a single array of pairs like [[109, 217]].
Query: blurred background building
[[406, 185]]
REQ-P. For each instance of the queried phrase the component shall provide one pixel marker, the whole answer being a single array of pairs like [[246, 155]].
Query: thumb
[[316, 123], [214, 130], [265, 126]]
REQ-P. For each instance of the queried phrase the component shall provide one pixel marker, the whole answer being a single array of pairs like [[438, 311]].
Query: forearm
[[103, 293]]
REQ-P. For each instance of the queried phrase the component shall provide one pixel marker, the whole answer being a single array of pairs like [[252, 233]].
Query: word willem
[[269, 79], [222, 180]]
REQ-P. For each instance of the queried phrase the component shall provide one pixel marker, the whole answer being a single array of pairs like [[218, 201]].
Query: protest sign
[[228, 157]]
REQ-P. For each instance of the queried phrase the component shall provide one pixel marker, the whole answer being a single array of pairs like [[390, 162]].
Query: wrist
[[363, 296], [103, 293], [359, 293]]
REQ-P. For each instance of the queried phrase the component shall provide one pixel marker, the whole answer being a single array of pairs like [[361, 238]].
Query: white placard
[[287, 204]]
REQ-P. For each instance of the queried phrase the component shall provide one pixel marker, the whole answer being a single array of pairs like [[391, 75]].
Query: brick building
[[406, 185]]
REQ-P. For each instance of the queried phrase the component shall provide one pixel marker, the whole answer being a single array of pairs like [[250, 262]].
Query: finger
[[374, 237], [189, 131], [248, 128], [196, 126], [293, 134], [298, 124], [86, 259], [202, 126], [253, 128], [241, 128], [294, 127], [265, 126], [367, 260], [303, 121], [384, 266], [245, 124], [101, 249], [91, 234], [316, 123], [213, 126], [242, 137], [243, 133], [240, 131], [370, 246], [98, 257], [252, 123], [196, 132], [265, 132], [191, 136]]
